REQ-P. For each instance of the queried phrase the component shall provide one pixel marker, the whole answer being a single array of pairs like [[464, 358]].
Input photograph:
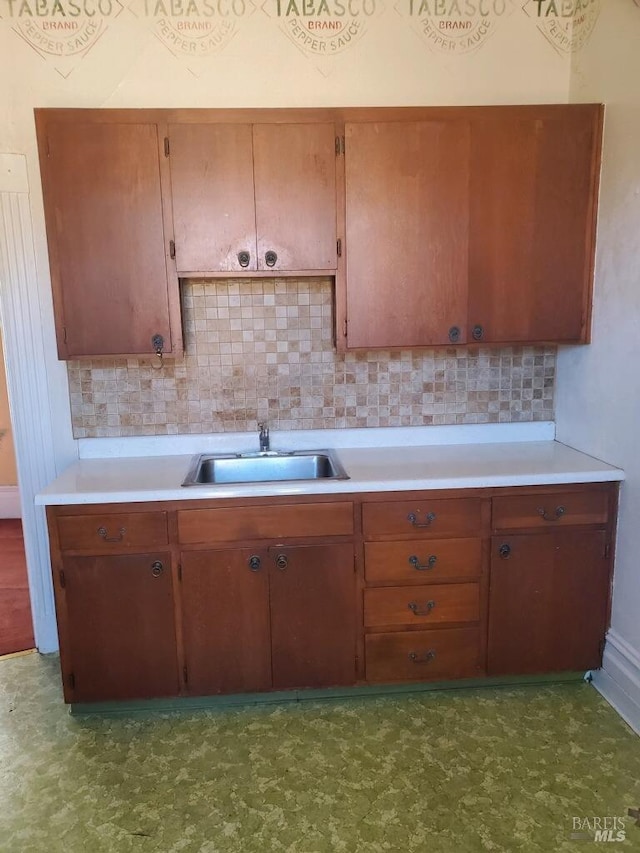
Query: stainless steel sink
[[264, 467]]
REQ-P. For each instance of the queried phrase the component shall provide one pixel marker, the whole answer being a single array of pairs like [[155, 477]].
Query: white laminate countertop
[[371, 469]]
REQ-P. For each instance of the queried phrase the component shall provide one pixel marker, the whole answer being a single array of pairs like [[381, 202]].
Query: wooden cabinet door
[[103, 208], [213, 198], [295, 189], [407, 232], [532, 223], [225, 617], [313, 615], [119, 627], [548, 602]]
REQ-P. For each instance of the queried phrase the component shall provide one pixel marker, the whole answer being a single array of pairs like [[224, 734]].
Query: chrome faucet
[[263, 435]]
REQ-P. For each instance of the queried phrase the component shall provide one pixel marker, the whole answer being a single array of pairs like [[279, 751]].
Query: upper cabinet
[[114, 287], [533, 199], [443, 225], [253, 198], [470, 225], [407, 232]]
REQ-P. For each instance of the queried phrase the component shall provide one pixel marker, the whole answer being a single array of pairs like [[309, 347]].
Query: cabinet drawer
[[286, 521], [422, 517], [423, 655], [561, 508], [422, 605], [112, 531], [418, 561]]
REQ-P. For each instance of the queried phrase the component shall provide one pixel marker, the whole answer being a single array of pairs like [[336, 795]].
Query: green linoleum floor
[[443, 772]]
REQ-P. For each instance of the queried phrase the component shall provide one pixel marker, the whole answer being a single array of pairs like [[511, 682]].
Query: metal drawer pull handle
[[423, 567], [254, 562], [244, 258], [559, 512], [414, 607], [102, 531], [270, 258], [282, 561], [413, 518], [414, 657], [157, 568]]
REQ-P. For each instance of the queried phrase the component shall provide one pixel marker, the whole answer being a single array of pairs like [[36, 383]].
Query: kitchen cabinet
[[470, 225], [268, 613], [533, 194], [115, 289], [218, 596], [550, 575], [425, 588], [407, 232], [254, 197]]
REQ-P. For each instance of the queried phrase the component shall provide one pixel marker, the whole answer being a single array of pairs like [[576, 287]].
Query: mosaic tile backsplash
[[262, 350]]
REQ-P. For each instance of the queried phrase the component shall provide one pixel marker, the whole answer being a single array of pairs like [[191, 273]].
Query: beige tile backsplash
[[262, 350]]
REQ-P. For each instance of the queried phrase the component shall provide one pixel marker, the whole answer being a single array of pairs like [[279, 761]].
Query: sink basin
[[267, 466]]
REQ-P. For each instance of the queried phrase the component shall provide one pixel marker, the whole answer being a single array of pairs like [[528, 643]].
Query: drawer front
[[286, 521], [423, 655], [431, 604], [545, 511], [417, 561], [112, 531], [419, 518]]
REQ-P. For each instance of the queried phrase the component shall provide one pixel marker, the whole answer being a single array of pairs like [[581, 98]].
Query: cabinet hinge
[[344, 328], [355, 563], [179, 571], [166, 146], [339, 247], [64, 334], [185, 675], [72, 681], [63, 580], [172, 249], [607, 550], [339, 145]]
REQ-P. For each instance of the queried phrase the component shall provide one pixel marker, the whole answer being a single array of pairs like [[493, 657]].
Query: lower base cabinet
[[268, 618], [222, 596]]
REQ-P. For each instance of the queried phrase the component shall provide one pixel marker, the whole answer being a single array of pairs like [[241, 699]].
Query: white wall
[[138, 53], [598, 387]]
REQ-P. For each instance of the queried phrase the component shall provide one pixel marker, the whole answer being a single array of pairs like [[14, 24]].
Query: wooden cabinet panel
[[313, 616], [532, 220], [423, 655], [415, 561], [225, 618], [213, 198], [295, 181], [119, 627], [407, 232], [107, 248], [422, 517], [421, 605], [547, 511], [548, 602], [275, 521], [112, 532]]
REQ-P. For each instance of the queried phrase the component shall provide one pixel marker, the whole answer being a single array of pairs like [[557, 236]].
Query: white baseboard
[[619, 679], [9, 502]]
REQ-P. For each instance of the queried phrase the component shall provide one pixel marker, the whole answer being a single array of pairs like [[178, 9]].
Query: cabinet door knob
[[254, 562], [157, 568], [454, 334], [504, 551], [244, 258], [415, 608], [555, 516], [414, 657], [430, 517], [270, 258], [477, 333], [103, 533], [282, 561], [423, 567]]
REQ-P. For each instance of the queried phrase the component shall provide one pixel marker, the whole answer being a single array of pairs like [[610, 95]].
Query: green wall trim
[[213, 703]]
